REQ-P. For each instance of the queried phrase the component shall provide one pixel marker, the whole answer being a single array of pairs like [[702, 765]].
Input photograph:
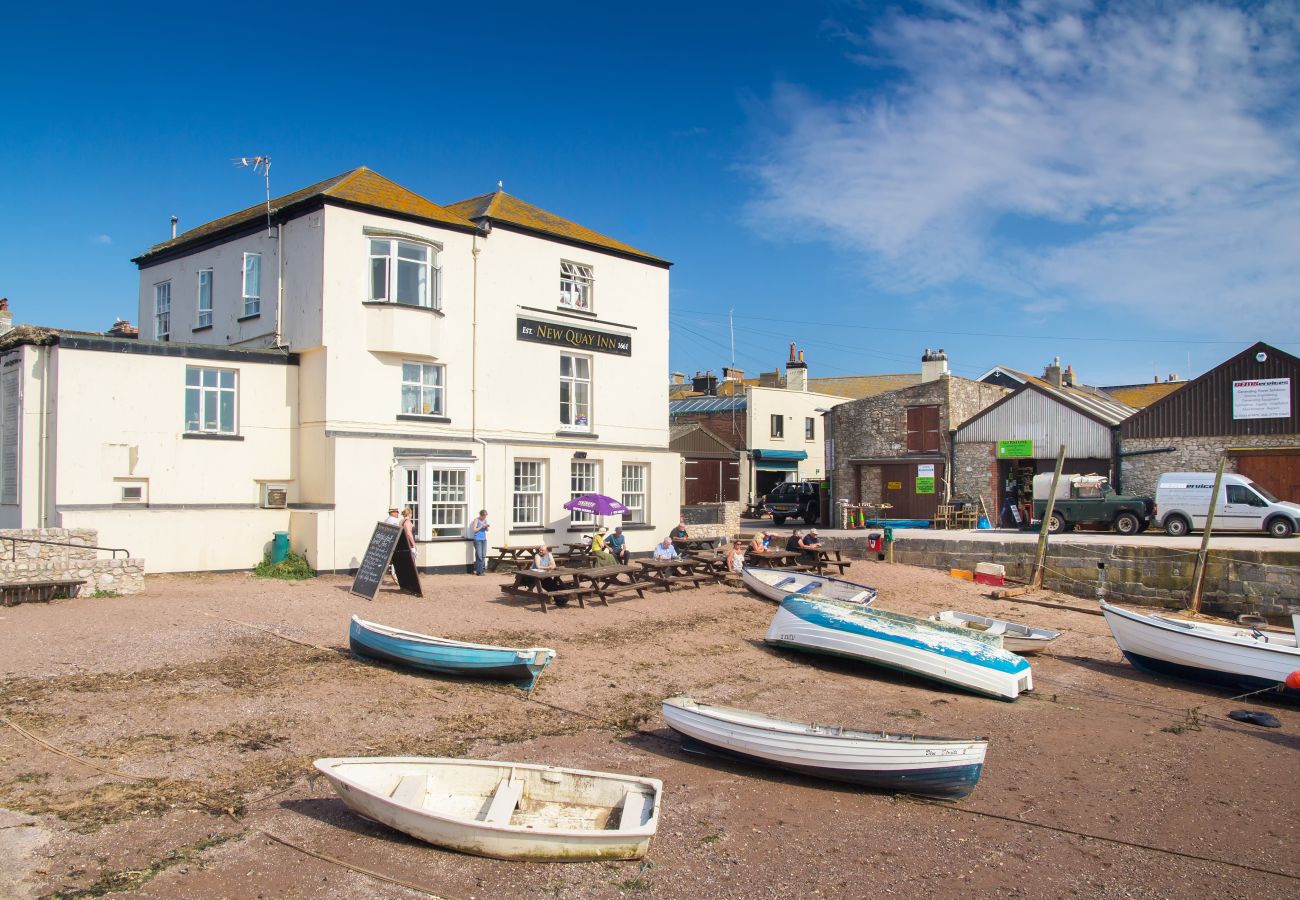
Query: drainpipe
[[43, 442], [473, 369], [279, 280], [952, 463]]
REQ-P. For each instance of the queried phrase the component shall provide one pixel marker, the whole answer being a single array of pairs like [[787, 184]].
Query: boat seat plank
[[635, 807], [504, 802], [411, 790]]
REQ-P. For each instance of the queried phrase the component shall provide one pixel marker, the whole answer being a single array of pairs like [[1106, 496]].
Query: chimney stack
[[934, 365], [1068, 376], [796, 371], [174, 221], [6, 317], [1052, 374], [730, 373], [123, 329], [706, 384], [678, 377]]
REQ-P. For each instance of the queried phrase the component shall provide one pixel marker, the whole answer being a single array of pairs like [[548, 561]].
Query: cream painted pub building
[[353, 345]]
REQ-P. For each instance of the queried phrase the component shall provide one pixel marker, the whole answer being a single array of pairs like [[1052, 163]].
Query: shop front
[[771, 467]]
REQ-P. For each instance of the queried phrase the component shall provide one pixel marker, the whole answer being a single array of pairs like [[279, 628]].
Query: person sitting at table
[[756, 545], [543, 561], [794, 542], [665, 549], [736, 557], [600, 548], [769, 538], [811, 545], [617, 546], [679, 533]]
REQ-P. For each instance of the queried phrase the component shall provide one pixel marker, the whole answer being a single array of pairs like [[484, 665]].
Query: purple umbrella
[[596, 505]]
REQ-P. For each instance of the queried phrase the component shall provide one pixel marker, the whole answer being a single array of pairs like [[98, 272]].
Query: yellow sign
[[894, 486]]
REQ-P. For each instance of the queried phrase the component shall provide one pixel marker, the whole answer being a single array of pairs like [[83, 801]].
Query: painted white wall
[[794, 407]]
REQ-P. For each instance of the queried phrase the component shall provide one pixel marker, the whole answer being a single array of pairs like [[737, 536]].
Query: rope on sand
[[350, 866], [72, 756], [1109, 840], [282, 637]]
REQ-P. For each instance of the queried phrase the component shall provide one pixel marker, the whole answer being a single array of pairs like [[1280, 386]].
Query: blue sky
[[1116, 184]]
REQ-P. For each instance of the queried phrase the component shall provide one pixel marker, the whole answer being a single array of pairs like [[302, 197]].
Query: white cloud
[[1124, 156], [102, 239]]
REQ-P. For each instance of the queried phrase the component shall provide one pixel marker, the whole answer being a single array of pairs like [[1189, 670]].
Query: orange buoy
[[1293, 680]]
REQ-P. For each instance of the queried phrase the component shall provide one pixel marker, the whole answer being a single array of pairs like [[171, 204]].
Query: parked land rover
[[794, 500], [1089, 499], [1183, 503]]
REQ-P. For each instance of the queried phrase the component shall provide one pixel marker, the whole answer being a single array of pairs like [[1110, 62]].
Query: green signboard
[[1015, 449], [925, 485]]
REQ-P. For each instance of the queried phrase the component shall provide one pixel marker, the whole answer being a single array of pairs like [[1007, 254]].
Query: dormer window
[[575, 286], [404, 272]]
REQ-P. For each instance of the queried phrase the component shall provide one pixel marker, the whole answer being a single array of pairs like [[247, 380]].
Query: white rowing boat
[[777, 584], [1025, 640], [913, 764], [1233, 656], [500, 809]]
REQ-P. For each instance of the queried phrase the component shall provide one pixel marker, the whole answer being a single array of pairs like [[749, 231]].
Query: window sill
[[637, 526], [250, 317], [584, 435], [531, 529], [577, 312], [204, 436], [413, 417], [384, 304], [442, 540], [200, 328]]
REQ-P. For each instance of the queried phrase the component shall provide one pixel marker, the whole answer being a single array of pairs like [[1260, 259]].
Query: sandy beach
[[187, 689]]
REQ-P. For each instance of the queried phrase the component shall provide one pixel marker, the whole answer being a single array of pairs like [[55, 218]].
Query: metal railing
[[13, 549]]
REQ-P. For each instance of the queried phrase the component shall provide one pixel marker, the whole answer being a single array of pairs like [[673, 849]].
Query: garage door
[[1279, 474], [712, 480]]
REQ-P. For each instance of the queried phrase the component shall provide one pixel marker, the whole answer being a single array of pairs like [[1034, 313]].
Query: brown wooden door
[[730, 475], [712, 480], [1280, 475], [896, 488]]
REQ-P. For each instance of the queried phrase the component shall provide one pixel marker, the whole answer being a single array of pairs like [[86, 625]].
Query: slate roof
[[500, 207], [360, 187], [707, 405], [1141, 395]]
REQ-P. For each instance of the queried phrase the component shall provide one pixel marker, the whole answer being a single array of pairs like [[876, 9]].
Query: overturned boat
[[1025, 640]]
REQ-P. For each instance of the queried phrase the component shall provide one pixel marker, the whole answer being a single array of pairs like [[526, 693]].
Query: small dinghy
[[777, 584], [1025, 640], [501, 809], [945, 653], [522, 665], [912, 764], [1233, 656]]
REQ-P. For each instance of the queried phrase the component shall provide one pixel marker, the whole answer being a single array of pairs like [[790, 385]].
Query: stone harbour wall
[[22, 562], [1189, 454], [1262, 582]]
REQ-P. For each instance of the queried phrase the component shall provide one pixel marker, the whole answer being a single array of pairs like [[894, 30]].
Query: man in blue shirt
[[478, 531], [617, 545], [665, 549]]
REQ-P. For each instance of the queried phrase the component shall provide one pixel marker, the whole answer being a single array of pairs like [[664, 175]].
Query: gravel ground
[[178, 686]]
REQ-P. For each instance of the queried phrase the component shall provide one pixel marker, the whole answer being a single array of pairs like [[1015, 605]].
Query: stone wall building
[[1247, 408], [895, 447]]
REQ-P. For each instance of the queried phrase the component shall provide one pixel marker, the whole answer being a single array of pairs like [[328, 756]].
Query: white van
[[1183, 501]]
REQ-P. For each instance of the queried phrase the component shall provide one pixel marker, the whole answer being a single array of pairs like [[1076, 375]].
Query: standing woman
[[408, 526]]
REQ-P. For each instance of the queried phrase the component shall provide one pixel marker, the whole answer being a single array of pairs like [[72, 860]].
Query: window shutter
[[930, 425], [914, 428]]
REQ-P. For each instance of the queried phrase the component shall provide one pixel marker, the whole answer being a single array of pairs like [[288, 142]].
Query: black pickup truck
[[794, 500]]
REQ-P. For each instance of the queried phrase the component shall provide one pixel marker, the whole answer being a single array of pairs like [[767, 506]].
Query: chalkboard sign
[[387, 544]]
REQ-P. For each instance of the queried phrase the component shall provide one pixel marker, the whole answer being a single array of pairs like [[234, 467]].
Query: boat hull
[[512, 842], [430, 654], [934, 767], [777, 584], [1219, 657], [906, 643], [1024, 640]]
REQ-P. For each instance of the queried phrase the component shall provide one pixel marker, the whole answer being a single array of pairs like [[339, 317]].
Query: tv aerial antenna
[[261, 165]]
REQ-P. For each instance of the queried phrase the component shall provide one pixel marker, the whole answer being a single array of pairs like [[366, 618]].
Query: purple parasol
[[596, 505]]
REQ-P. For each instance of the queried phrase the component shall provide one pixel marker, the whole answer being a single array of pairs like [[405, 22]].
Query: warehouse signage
[[1015, 449], [570, 336], [925, 479], [1261, 398]]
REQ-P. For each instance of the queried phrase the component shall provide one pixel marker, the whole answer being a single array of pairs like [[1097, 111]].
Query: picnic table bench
[[665, 573], [577, 556], [715, 564], [528, 583], [688, 545], [518, 556], [779, 559], [607, 581], [39, 591], [827, 559]]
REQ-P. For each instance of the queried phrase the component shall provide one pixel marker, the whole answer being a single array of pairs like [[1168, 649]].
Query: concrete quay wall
[[1237, 581]]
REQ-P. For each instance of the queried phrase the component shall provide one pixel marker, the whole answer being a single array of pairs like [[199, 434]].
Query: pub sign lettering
[[571, 336]]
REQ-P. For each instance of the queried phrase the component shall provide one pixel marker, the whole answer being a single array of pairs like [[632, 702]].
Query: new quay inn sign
[[569, 336]]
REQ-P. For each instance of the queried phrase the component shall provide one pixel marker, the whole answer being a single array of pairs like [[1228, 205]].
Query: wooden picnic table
[[518, 556], [665, 573], [610, 580], [578, 555], [780, 559], [528, 584], [827, 559], [714, 563], [688, 545]]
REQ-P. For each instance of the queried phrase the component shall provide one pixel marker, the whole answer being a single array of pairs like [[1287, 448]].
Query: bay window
[[437, 495], [404, 272]]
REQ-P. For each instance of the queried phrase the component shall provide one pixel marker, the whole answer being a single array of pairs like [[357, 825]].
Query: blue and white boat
[[522, 665], [909, 763], [944, 653]]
